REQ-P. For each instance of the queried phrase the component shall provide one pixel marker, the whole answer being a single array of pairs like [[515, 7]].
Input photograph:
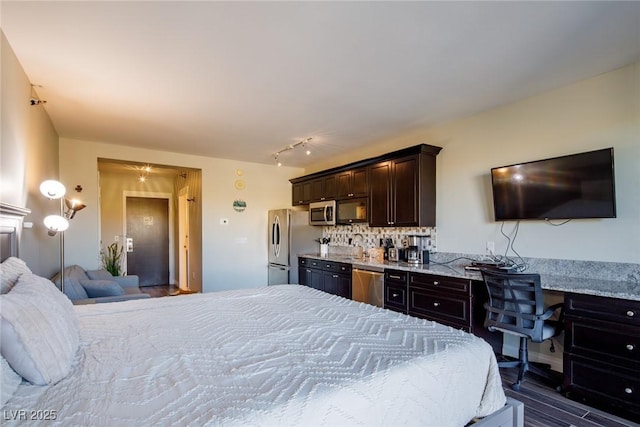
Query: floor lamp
[[53, 189]]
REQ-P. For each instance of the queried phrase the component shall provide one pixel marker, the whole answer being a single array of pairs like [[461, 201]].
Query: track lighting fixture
[[303, 143], [35, 100]]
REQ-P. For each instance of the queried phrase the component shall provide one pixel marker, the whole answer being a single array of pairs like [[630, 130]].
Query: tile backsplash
[[345, 235]]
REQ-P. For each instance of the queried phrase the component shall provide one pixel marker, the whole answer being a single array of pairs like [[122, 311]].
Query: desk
[[601, 358]]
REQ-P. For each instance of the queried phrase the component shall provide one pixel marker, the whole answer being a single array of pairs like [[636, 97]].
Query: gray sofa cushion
[[73, 289], [101, 288], [101, 274]]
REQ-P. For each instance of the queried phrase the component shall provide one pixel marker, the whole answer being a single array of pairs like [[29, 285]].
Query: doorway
[[147, 239], [182, 188]]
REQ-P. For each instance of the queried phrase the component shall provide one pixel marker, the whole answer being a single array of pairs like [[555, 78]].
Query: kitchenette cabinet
[[402, 191], [328, 276], [395, 290], [400, 186], [352, 183]]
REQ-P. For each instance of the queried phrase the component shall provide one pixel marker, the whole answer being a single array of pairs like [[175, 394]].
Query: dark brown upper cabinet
[[352, 183], [400, 186], [402, 192]]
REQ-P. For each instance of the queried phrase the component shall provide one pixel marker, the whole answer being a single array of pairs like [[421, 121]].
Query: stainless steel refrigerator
[[289, 235]]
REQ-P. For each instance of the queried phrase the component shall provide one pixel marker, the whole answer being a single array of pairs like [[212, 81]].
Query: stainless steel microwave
[[322, 213]]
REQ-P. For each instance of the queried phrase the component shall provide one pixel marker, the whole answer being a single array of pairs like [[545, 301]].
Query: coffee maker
[[417, 251]]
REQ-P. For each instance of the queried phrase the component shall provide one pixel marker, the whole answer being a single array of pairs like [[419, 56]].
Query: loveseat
[[98, 286]]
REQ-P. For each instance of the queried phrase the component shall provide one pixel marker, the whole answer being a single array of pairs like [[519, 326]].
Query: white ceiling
[[242, 80]]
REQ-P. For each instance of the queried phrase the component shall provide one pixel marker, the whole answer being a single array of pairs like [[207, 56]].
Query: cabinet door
[[344, 286], [404, 190], [330, 280], [316, 279], [379, 194], [343, 184], [301, 193], [359, 182], [317, 190], [329, 187]]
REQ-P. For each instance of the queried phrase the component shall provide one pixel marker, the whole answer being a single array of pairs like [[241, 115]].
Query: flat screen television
[[568, 187]]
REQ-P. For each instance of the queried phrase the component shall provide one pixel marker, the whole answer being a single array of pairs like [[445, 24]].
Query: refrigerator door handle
[[276, 246]]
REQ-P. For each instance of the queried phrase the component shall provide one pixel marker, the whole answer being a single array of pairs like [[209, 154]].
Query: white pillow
[[9, 381], [10, 270], [39, 329]]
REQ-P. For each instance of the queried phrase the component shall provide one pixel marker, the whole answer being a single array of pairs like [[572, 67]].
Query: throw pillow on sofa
[[74, 290], [101, 274], [101, 288]]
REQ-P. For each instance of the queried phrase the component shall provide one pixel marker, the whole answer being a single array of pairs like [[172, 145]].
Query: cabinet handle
[[436, 304], [630, 313], [628, 390], [328, 265], [395, 295], [394, 276], [308, 271], [436, 283], [322, 198], [630, 347], [335, 276]]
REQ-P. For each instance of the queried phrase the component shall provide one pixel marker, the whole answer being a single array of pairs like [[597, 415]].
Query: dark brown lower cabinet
[[602, 352], [452, 301], [328, 276]]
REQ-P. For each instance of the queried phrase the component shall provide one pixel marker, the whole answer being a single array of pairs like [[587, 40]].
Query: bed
[[270, 356], [280, 355]]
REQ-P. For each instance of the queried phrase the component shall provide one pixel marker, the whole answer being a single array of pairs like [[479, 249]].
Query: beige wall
[[596, 113], [233, 256], [28, 156]]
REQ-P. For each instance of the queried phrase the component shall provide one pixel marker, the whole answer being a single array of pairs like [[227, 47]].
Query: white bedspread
[[280, 355]]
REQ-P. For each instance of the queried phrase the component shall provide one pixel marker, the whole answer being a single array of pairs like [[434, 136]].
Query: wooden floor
[[544, 407]]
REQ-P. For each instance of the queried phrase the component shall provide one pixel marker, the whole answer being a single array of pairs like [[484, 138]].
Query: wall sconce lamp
[[53, 189]]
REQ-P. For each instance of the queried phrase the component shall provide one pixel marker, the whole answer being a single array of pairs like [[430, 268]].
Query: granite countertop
[[622, 289]]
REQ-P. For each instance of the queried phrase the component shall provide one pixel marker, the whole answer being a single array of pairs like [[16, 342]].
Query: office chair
[[516, 307]]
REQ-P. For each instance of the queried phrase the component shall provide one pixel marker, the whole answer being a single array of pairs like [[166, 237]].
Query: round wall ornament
[[239, 205], [239, 184]]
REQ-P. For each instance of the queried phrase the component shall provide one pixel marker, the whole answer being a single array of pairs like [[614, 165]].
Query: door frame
[[152, 195], [183, 228]]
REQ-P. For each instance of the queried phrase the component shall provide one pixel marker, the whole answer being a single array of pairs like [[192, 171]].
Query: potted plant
[[112, 258]]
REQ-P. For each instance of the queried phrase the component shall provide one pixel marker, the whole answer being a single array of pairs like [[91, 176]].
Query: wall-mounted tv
[[568, 187]]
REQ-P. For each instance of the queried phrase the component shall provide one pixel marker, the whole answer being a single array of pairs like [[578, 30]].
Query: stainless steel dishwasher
[[367, 286]]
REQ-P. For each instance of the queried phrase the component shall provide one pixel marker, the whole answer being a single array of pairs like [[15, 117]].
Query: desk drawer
[[440, 283], [609, 342], [612, 309], [603, 382], [440, 307]]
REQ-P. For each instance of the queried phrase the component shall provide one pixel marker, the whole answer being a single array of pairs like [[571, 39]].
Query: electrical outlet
[[491, 247]]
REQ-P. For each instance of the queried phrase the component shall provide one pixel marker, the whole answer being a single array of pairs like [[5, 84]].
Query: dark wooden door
[[359, 182], [148, 226], [405, 192], [379, 194]]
